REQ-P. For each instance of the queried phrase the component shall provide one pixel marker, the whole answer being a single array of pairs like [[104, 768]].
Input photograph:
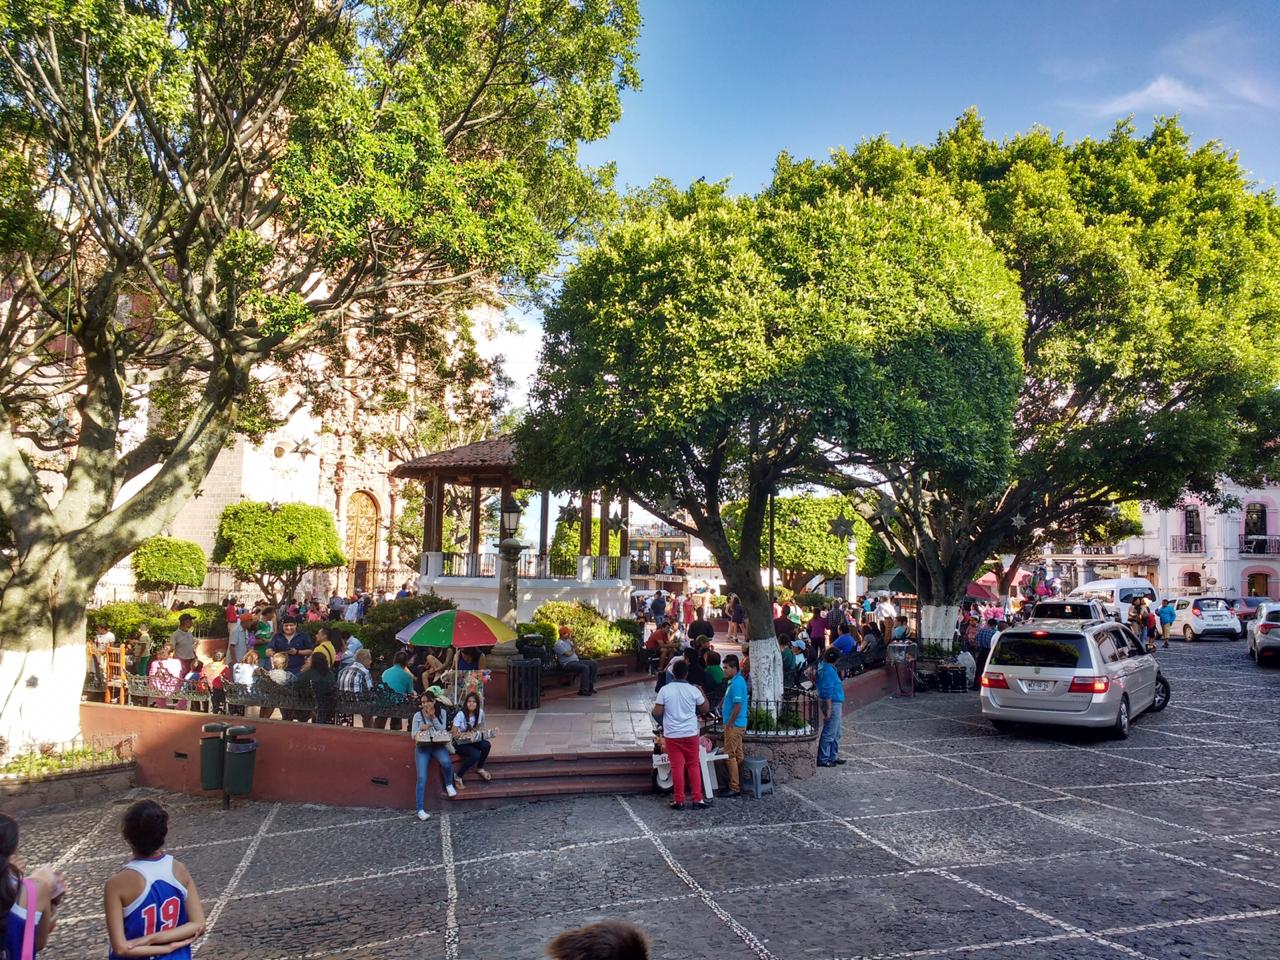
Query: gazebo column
[[584, 539], [543, 521], [432, 528], [473, 543], [624, 537]]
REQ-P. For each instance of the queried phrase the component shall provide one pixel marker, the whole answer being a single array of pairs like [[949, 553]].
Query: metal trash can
[[211, 756], [524, 683], [237, 771]]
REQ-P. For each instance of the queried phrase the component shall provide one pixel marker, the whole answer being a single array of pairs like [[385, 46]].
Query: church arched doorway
[[362, 541]]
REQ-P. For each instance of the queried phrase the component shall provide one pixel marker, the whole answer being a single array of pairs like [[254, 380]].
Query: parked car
[[1196, 618], [1246, 608], [1071, 673], [1117, 594], [1263, 631], [1070, 610]]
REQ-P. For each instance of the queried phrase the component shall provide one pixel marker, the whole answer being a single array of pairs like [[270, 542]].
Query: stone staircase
[[528, 777]]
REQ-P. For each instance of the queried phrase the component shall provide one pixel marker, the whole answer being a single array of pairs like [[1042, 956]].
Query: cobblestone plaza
[[938, 838]]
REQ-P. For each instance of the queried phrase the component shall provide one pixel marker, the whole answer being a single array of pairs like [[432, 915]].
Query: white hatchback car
[[1263, 631], [1196, 618]]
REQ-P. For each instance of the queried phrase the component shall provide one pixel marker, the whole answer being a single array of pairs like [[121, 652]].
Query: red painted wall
[[296, 762]]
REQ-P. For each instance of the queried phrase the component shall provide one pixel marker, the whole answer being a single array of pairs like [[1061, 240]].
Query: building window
[[1191, 519], [1255, 520], [1259, 585], [1191, 580]]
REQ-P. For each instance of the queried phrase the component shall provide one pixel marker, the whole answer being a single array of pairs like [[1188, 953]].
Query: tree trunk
[[938, 622], [42, 663]]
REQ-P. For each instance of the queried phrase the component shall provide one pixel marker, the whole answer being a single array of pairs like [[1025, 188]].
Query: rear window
[[1273, 616], [1063, 611], [1212, 605], [1130, 594], [1053, 650]]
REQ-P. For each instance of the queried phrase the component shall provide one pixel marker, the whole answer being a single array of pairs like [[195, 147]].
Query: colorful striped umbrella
[[456, 628]]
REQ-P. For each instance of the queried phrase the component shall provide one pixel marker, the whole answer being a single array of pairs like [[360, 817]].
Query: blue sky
[[727, 84]]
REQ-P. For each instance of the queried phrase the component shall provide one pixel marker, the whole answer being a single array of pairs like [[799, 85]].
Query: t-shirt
[[736, 693], [1167, 614], [105, 640], [564, 652], [829, 685], [242, 673], [844, 643], [461, 724], [184, 645], [886, 611], [398, 679], [657, 639], [715, 675], [301, 641], [679, 702]]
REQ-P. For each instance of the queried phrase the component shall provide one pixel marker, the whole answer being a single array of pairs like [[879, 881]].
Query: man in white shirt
[[104, 637], [678, 706], [887, 614], [241, 637]]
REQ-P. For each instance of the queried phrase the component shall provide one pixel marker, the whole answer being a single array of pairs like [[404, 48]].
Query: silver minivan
[[1065, 672]]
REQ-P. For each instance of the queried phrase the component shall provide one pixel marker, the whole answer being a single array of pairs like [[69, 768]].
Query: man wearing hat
[[242, 636], [569, 661]]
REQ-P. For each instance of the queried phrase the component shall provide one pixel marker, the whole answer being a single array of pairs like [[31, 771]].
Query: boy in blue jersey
[[153, 909]]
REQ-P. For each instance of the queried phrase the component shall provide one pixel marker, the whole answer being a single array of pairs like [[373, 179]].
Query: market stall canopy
[[980, 591], [893, 580]]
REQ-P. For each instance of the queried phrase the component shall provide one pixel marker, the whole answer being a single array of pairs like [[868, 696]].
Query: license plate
[[1039, 686]]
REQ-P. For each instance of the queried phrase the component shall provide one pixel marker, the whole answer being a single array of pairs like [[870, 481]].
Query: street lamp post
[[509, 550]]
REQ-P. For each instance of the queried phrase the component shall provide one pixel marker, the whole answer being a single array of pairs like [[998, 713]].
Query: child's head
[[250, 657], [280, 660], [145, 826]]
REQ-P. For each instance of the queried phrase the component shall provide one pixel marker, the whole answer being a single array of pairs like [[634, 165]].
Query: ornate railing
[[547, 567], [1191, 543], [794, 716], [470, 565], [1259, 546]]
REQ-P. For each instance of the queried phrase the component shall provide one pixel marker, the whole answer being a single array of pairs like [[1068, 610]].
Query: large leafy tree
[[276, 545], [567, 541], [194, 189], [809, 539], [1148, 275], [785, 320]]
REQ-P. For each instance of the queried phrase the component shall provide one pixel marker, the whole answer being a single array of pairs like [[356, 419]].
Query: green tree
[[566, 542], [1152, 300], [166, 563], [275, 546], [789, 320], [192, 189], [804, 544]]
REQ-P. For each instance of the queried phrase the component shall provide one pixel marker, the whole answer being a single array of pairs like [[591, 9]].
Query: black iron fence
[[1191, 543], [470, 565], [544, 566], [794, 716]]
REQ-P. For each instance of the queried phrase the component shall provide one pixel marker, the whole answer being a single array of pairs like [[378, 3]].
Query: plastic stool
[[758, 775]]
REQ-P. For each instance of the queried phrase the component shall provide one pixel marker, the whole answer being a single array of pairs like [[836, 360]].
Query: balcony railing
[[1259, 546], [1099, 550], [547, 567], [1190, 543], [470, 565]]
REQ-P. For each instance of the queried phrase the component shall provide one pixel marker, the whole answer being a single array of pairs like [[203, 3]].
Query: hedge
[[124, 618], [594, 637]]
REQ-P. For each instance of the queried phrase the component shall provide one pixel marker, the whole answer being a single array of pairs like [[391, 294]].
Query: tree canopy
[[276, 545], [566, 541], [786, 318], [1146, 268], [165, 563]]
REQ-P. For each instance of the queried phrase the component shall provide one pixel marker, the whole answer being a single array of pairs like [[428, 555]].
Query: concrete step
[[500, 792], [582, 767]]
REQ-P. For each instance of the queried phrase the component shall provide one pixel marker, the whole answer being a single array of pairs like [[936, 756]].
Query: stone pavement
[[938, 838], [616, 718]]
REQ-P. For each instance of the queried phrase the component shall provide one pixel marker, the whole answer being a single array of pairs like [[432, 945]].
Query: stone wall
[[790, 758], [102, 786]]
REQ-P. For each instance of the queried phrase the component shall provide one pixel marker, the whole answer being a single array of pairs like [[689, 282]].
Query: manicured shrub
[[593, 635]]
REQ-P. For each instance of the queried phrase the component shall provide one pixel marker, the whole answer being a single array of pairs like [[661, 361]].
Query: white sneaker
[[423, 815], [449, 789]]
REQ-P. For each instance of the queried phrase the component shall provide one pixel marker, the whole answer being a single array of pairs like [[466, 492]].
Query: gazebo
[[472, 577]]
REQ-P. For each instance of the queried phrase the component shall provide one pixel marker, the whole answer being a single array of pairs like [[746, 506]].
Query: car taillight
[[1090, 685], [995, 680], [1265, 627]]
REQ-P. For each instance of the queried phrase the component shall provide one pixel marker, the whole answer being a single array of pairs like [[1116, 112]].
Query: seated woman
[[317, 678], [469, 741], [431, 737]]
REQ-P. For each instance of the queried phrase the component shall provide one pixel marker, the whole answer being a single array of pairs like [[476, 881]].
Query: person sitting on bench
[[570, 662]]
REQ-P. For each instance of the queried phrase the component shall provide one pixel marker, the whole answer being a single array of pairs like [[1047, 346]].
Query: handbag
[[29, 928]]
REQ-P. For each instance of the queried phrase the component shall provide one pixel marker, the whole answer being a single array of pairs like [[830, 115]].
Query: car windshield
[[1211, 604], [1130, 594], [1054, 610], [1039, 649]]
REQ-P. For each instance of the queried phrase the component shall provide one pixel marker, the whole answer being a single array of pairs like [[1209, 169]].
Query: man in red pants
[[678, 706]]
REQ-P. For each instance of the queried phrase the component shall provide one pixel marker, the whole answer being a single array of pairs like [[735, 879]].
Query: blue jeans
[[829, 743], [473, 755], [422, 755]]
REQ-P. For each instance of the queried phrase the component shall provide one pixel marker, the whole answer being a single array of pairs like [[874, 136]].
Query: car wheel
[[1162, 695], [1004, 726], [1121, 729], [1188, 634]]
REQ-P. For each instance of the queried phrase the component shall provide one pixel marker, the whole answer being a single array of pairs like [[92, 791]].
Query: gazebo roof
[[484, 458]]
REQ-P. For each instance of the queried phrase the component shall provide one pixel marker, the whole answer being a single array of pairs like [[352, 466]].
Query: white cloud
[[1164, 94]]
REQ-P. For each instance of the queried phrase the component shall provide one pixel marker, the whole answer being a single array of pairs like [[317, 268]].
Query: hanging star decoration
[[793, 522], [274, 506], [60, 427], [568, 514], [198, 494], [841, 527], [1018, 521], [667, 505], [304, 449]]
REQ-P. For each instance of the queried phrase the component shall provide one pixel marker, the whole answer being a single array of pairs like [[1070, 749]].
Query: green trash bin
[[211, 756], [237, 772]]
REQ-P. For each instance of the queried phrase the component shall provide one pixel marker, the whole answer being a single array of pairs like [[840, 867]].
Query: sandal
[[457, 782], [484, 775]]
